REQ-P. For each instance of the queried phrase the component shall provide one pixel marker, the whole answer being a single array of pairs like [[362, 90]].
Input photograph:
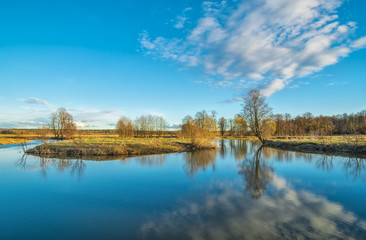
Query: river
[[235, 192]]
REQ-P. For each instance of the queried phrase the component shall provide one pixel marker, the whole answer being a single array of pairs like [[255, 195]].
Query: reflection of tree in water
[[268, 153], [325, 163], [223, 149], [356, 168], [239, 149], [199, 160], [77, 166], [283, 155], [257, 174]]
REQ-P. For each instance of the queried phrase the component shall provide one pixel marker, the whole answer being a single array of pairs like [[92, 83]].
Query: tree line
[[307, 124], [143, 126], [255, 119]]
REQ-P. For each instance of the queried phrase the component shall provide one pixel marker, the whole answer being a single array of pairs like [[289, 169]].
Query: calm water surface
[[236, 192]]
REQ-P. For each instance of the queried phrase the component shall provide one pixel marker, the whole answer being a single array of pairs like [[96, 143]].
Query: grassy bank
[[354, 145], [6, 140], [112, 146]]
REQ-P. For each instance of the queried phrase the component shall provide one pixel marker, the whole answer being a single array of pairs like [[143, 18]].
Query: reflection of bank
[[257, 174], [199, 160], [150, 160]]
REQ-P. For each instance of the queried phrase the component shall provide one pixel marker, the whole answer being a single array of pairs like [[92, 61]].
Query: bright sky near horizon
[[106, 59]]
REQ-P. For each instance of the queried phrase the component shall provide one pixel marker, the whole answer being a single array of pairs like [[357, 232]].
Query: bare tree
[[141, 126], [231, 126], [148, 125], [62, 124], [55, 124], [222, 125], [255, 112], [161, 125]]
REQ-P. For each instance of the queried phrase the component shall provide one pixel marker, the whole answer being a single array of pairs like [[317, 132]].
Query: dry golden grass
[[110, 146], [351, 145], [6, 141], [327, 140]]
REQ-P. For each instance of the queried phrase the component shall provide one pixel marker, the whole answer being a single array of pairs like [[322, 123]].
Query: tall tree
[[255, 111]]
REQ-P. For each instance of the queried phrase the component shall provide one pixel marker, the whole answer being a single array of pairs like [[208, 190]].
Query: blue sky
[[102, 60]]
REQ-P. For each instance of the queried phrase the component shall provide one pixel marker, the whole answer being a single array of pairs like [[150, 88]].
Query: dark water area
[[236, 192]]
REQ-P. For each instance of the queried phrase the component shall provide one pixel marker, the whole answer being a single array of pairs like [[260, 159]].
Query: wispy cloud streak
[[33, 100]]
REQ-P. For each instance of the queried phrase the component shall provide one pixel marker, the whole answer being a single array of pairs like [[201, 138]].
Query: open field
[[112, 146]]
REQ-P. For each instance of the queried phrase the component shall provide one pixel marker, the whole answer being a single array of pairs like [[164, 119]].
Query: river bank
[[343, 149]]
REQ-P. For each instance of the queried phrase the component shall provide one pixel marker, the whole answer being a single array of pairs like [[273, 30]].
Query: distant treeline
[[23, 132], [307, 124]]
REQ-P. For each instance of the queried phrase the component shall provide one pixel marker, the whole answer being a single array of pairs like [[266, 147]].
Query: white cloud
[[187, 9], [83, 125], [359, 43], [233, 100], [21, 124], [180, 22], [94, 115], [33, 100], [181, 19], [273, 87], [255, 76], [95, 118], [267, 44], [37, 116], [174, 126]]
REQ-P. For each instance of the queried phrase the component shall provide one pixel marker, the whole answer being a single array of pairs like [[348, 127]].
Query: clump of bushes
[[199, 131], [125, 128]]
